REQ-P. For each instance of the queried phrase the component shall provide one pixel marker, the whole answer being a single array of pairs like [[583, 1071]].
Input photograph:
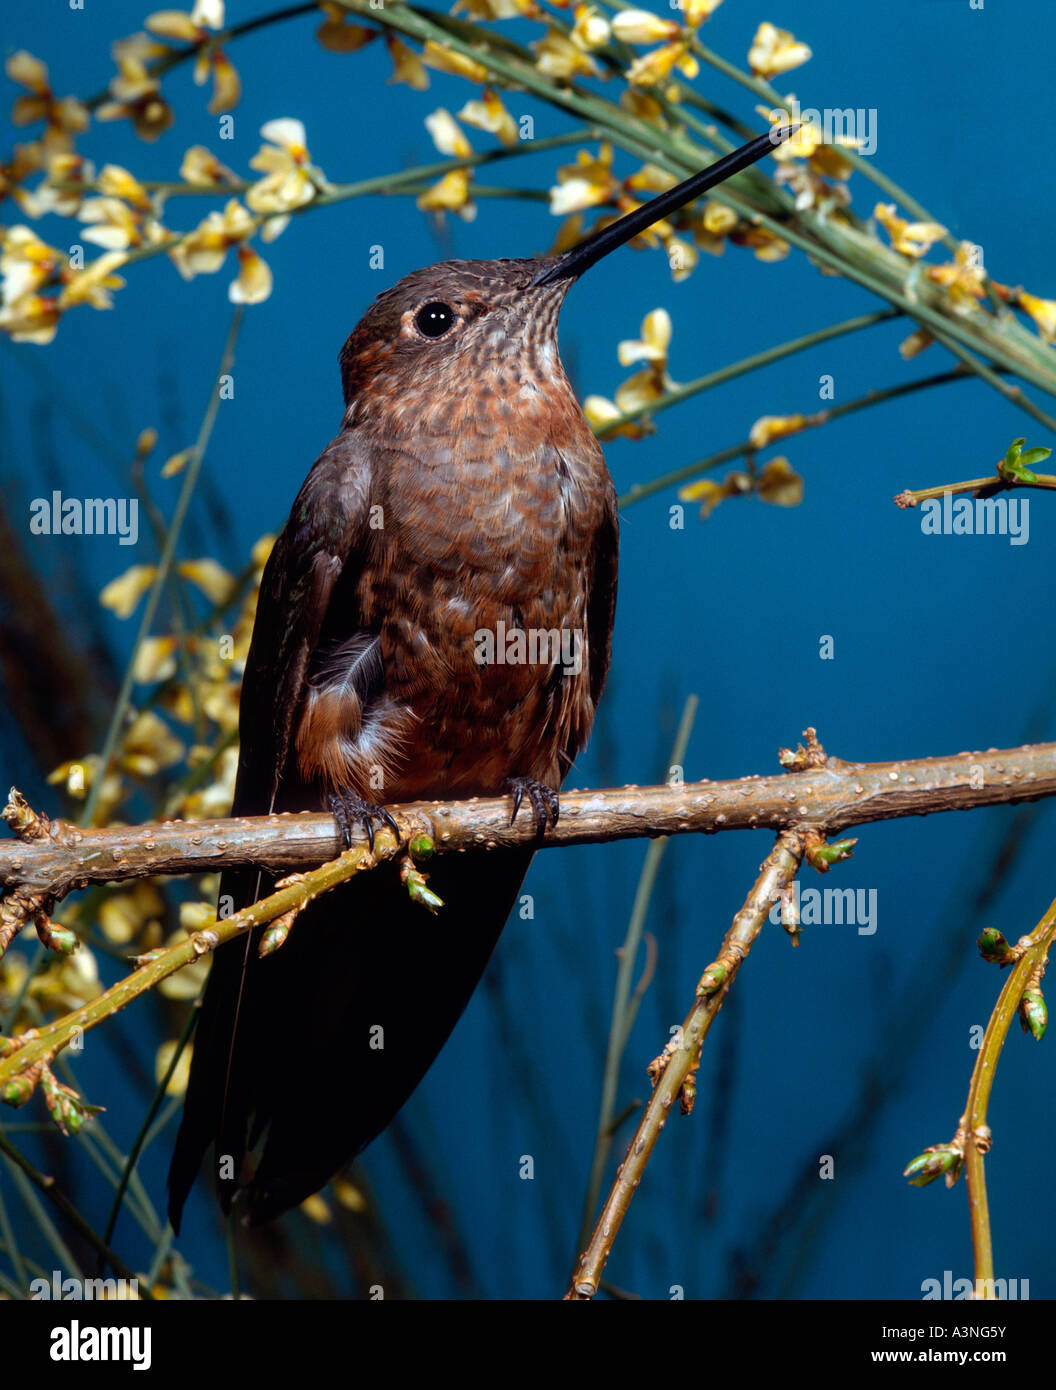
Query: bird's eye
[[434, 319]]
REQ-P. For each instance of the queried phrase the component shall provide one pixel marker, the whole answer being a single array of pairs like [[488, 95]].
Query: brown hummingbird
[[464, 499]]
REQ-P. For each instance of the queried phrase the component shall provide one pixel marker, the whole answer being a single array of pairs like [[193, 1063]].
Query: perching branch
[[825, 793]]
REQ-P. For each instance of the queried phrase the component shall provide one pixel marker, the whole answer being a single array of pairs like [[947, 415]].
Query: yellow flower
[[288, 181], [209, 575], [64, 117], [406, 64], [586, 184], [123, 915], [709, 493], [779, 483], [254, 281], [188, 28], [26, 262], [557, 56], [915, 344], [149, 745], [489, 114], [443, 59], [203, 251], [447, 137], [93, 284], [591, 28], [227, 85], [765, 245], [774, 51], [911, 238], [768, 428], [122, 594], [651, 69], [695, 12], [135, 90], [642, 26], [118, 225], [681, 257], [201, 166], [1042, 311], [451, 194], [604, 416], [653, 344], [32, 318], [498, 9], [115, 182], [337, 32], [964, 279], [181, 1075], [155, 660]]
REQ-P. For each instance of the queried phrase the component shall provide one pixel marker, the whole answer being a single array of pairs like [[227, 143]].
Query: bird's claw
[[349, 809], [544, 801]]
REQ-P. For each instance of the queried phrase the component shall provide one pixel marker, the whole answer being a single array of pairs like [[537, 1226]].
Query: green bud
[[823, 856], [1033, 1014], [57, 938], [993, 946], [932, 1163], [18, 1090], [712, 980], [422, 847]]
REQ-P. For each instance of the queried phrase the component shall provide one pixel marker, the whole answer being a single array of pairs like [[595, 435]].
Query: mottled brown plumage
[[464, 495]]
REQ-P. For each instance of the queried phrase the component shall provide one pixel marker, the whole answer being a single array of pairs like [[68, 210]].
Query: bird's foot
[[544, 800], [349, 809]]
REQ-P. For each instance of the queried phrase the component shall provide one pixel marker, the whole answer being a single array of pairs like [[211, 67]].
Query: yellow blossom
[[227, 85], [254, 282], [93, 284], [443, 59], [769, 428], [774, 51], [188, 28], [339, 34], [155, 660], [447, 137], [26, 262], [681, 257], [779, 483], [911, 238], [64, 117], [177, 1084], [695, 12], [1042, 311], [124, 914], [489, 114], [498, 9], [316, 1209], [32, 318], [136, 92], [406, 65], [557, 56], [122, 594], [201, 166], [653, 344], [915, 344], [451, 194], [709, 493], [202, 252], [288, 181], [642, 26], [149, 745], [651, 69], [591, 28], [964, 278], [764, 245], [587, 183]]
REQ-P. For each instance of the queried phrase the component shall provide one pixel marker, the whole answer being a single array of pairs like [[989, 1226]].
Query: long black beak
[[572, 264]]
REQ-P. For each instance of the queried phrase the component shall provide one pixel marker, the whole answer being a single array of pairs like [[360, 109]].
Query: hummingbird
[[464, 498]]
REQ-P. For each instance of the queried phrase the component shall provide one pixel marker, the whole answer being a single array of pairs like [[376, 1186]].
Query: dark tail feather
[[337, 1029]]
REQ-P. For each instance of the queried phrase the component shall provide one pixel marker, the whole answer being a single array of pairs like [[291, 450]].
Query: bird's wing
[[322, 542], [321, 546]]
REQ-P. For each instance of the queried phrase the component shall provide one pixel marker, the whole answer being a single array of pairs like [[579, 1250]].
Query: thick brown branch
[[831, 797]]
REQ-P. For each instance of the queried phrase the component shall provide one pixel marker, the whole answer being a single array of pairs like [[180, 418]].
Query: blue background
[[941, 644]]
